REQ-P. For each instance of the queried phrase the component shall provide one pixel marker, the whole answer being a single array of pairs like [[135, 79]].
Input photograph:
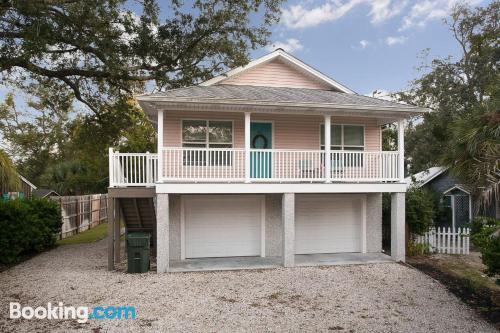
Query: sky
[[366, 45]]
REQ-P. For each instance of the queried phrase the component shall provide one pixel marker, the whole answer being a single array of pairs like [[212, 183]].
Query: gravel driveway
[[368, 298]]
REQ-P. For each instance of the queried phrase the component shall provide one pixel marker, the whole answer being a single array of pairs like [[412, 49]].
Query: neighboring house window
[[345, 137], [207, 134]]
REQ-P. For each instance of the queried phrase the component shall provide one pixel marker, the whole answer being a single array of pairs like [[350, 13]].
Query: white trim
[[456, 187], [285, 56], [161, 165], [27, 182], [248, 122], [183, 229], [440, 172], [260, 188], [263, 227], [328, 146], [363, 225], [453, 218], [401, 150]]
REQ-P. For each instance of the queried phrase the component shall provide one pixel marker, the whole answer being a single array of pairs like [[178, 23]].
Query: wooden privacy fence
[[446, 240], [82, 212]]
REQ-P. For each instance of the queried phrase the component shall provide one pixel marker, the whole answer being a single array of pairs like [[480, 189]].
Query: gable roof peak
[[286, 57]]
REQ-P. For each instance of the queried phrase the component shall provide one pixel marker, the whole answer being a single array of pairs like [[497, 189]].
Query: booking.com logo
[[81, 313]]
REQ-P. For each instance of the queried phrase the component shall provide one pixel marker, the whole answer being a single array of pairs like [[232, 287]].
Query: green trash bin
[[138, 252]]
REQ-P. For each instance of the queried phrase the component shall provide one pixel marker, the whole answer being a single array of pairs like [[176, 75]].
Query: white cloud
[[382, 10], [290, 45], [395, 40], [424, 11], [364, 43], [299, 16]]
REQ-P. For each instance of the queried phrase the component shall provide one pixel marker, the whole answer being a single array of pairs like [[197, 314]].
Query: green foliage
[[485, 234], [27, 227], [417, 249], [103, 52], [9, 179], [421, 209], [463, 130], [490, 255]]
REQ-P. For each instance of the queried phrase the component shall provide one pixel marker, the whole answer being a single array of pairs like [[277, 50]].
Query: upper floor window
[[345, 137], [207, 134]]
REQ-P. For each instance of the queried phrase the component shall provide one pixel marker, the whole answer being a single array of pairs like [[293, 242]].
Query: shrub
[[421, 209], [27, 226], [490, 254], [415, 249]]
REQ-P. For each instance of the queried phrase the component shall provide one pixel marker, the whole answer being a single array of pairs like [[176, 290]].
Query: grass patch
[[89, 236]]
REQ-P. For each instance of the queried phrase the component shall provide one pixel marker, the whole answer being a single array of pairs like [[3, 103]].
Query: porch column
[[398, 226], [247, 147], [162, 233], [111, 219], [160, 145], [288, 238], [401, 150], [328, 163]]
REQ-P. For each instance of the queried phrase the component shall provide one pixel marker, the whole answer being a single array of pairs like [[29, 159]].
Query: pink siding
[[275, 74], [290, 131]]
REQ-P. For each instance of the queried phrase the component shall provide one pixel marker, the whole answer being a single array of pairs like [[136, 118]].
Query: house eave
[[151, 105]]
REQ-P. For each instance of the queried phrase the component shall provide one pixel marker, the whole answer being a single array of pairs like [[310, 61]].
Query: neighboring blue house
[[456, 198]]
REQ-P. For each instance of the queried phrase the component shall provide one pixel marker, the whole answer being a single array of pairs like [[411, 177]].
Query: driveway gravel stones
[[386, 297]]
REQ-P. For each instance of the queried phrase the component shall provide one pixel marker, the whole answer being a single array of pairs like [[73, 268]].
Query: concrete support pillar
[[162, 233], [111, 223], [398, 226], [288, 217], [117, 229]]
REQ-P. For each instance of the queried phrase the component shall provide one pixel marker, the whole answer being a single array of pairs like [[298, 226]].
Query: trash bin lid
[[137, 235]]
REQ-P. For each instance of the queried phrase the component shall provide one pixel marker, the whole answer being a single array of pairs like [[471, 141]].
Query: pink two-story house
[[273, 163]]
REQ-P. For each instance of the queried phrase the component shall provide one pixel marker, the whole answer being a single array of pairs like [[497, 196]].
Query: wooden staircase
[[139, 215]]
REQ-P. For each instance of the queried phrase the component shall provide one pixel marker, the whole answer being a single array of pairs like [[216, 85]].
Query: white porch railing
[[266, 165], [446, 240], [132, 169]]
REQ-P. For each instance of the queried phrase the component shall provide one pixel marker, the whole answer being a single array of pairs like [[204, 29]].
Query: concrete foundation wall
[[374, 222]]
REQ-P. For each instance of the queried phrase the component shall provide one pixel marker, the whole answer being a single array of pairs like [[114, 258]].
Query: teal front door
[[261, 137]]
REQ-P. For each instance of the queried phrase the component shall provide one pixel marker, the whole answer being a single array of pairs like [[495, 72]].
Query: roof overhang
[[386, 114], [456, 187]]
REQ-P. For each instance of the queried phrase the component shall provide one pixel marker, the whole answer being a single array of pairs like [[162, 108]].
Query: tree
[[462, 132], [102, 51], [9, 178]]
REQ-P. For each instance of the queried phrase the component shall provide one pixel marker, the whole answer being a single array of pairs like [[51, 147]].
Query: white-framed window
[[207, 134], [344, 137]]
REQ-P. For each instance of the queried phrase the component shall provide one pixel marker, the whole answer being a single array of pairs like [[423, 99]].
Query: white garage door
[[328, 223], [222, 225]]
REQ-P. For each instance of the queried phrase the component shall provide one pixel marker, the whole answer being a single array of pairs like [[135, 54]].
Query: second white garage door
[[222, 225], [328, 223]]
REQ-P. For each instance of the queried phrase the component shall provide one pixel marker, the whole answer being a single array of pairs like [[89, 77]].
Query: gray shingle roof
[[272, 94]]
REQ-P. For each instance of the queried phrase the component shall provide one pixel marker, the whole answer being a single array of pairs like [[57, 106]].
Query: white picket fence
[[446, 240]]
